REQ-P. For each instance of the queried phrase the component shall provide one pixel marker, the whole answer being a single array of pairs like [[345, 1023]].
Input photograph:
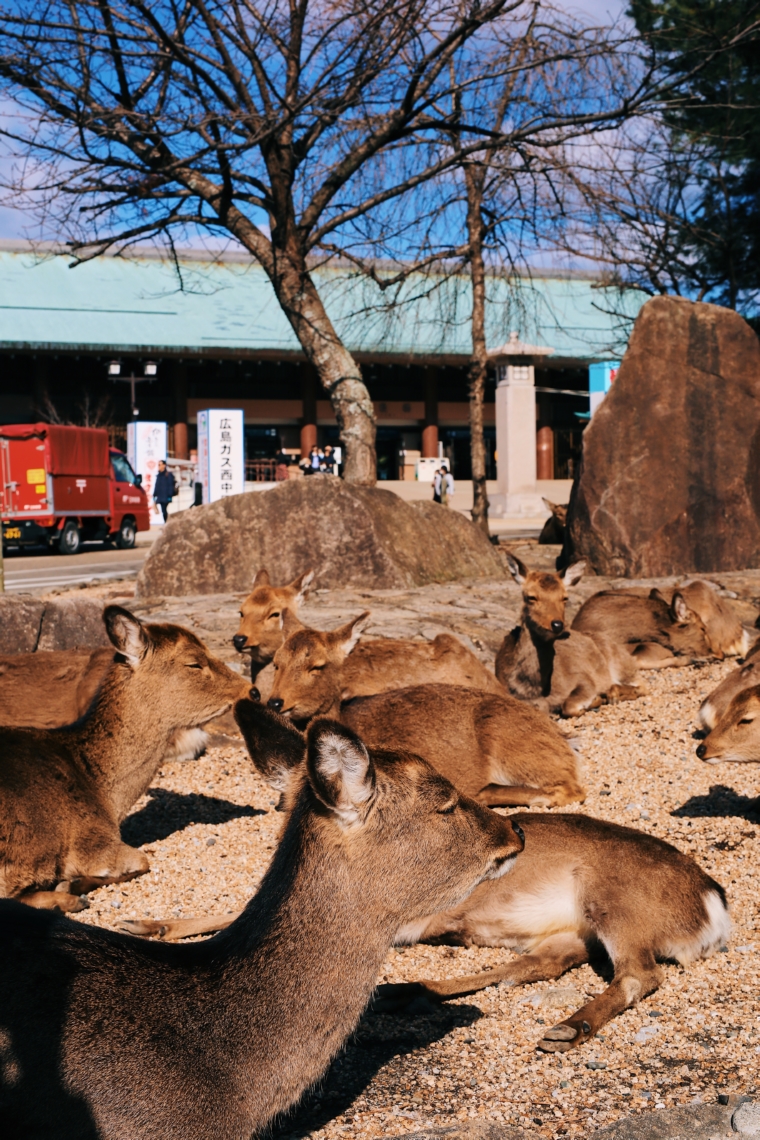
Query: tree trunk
[[338, 372], [478, 370]]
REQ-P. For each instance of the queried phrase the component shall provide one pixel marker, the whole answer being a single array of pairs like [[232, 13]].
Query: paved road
[[41, 571]]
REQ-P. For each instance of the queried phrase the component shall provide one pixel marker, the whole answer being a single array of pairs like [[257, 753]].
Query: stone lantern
[[516, 424]]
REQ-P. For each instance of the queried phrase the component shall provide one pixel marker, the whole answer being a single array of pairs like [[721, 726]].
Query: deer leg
[[635, 978], [651, 655], [111, 862], [551, 958], [518, 795], [171, 929], [581, 699], [64, 901], [622, 692]]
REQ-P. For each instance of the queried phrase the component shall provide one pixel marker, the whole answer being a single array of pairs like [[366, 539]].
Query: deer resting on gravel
[[658, 633], [746, 676], [108, 1036], [49, 689], [64, 791], [556, 669], [494, 748], [735, 738], [582, 888]]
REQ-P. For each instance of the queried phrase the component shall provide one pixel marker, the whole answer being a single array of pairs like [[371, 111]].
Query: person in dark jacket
[[165, 488]]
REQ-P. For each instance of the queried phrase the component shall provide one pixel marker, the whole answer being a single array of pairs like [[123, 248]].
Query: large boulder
[[20, 620], [73, 622], [670, 478], [352, 536]]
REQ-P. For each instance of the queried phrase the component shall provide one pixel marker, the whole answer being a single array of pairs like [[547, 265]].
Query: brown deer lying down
[[261, 616], [580, 885], [656, 632], [64, 791], [553, 530], [557, 669], [105, 1035], [747, 676], [736, 736], [493, 747], [51, 689]]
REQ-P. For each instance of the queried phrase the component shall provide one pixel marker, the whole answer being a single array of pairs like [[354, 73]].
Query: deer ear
[[346, 636], [261, 579], [289, 623], [517, 569], [127, 634], [301, 585], [574, 573], [679, 609], [340, 771], [275, 746]]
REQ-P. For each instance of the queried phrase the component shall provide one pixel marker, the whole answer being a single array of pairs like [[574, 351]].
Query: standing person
[[437, 484], [165, 488], [329, 461], [444, 492], [282, 462], [315, 457], [448, 483]]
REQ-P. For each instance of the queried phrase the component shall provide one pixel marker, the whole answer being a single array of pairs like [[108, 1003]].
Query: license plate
[[12, 532]]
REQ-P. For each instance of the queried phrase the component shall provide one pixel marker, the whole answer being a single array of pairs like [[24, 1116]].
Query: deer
[[64, 791], [261, 616], [580, 889], [553, 530], [556, 669], [735, 738], [105, 1034], [657, 633], [70, 681], [746, 676], [496, 749]]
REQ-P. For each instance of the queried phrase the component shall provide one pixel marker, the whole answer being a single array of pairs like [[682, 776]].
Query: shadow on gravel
[[721, 801], [378, 1039], [169, 812]]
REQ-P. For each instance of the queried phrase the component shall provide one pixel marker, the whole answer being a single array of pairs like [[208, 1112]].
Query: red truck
[[63, 485]]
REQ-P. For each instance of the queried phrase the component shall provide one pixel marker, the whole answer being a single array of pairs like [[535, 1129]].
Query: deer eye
[[448, 808], [275, 615], [747, 720], [316, 668], [193, 665], [531, 598]]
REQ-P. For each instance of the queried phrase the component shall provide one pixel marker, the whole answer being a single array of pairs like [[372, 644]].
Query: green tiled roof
[[136, 304]]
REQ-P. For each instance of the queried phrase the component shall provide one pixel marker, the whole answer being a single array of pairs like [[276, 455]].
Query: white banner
[[221, 453], [146, 444]]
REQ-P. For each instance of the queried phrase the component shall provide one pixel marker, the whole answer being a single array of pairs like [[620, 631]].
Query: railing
[[259, 470]]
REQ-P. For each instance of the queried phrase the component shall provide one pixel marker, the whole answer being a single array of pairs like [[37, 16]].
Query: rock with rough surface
[[72, 622], [670, 478], [692, 1122], [20, 620], [351, 535]]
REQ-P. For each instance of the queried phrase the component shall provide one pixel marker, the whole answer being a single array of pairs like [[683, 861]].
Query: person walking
[[447, 487], [437, 484], [165, 488]]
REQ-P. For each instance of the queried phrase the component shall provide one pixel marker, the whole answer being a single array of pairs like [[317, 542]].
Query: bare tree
[[280, 125]]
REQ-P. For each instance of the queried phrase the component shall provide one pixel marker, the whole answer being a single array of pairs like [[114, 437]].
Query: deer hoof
[[142, 928], [558, 1039]]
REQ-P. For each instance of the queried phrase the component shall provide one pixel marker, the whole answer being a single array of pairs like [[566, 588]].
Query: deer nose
[[557, 626], [702, 751], [239, 641], [275, 703]]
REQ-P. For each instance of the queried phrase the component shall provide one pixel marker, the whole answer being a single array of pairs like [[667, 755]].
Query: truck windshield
[[122, 472]]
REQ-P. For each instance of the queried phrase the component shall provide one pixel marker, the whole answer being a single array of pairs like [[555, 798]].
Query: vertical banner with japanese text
[[146, 444], [221, 453]]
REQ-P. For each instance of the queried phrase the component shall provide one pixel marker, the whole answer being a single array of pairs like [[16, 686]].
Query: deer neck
[[535, 659], [300, 966], [123, 739]]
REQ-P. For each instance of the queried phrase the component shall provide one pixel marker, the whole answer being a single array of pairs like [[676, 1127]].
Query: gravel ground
[[210, 827]]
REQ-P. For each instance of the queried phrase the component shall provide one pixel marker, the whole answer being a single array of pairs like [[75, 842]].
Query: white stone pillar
[[515, 431]]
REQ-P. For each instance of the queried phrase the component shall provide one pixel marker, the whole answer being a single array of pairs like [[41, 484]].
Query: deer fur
[[49, 689], [64, 791], [108, 1036], [656, 632], [735, 737], [581, 887], [558, 670], [747, 676], [495, 748], [553, 530]]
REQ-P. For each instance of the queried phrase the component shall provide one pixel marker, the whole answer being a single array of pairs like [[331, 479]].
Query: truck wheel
[[70, 539], [126, 536]]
